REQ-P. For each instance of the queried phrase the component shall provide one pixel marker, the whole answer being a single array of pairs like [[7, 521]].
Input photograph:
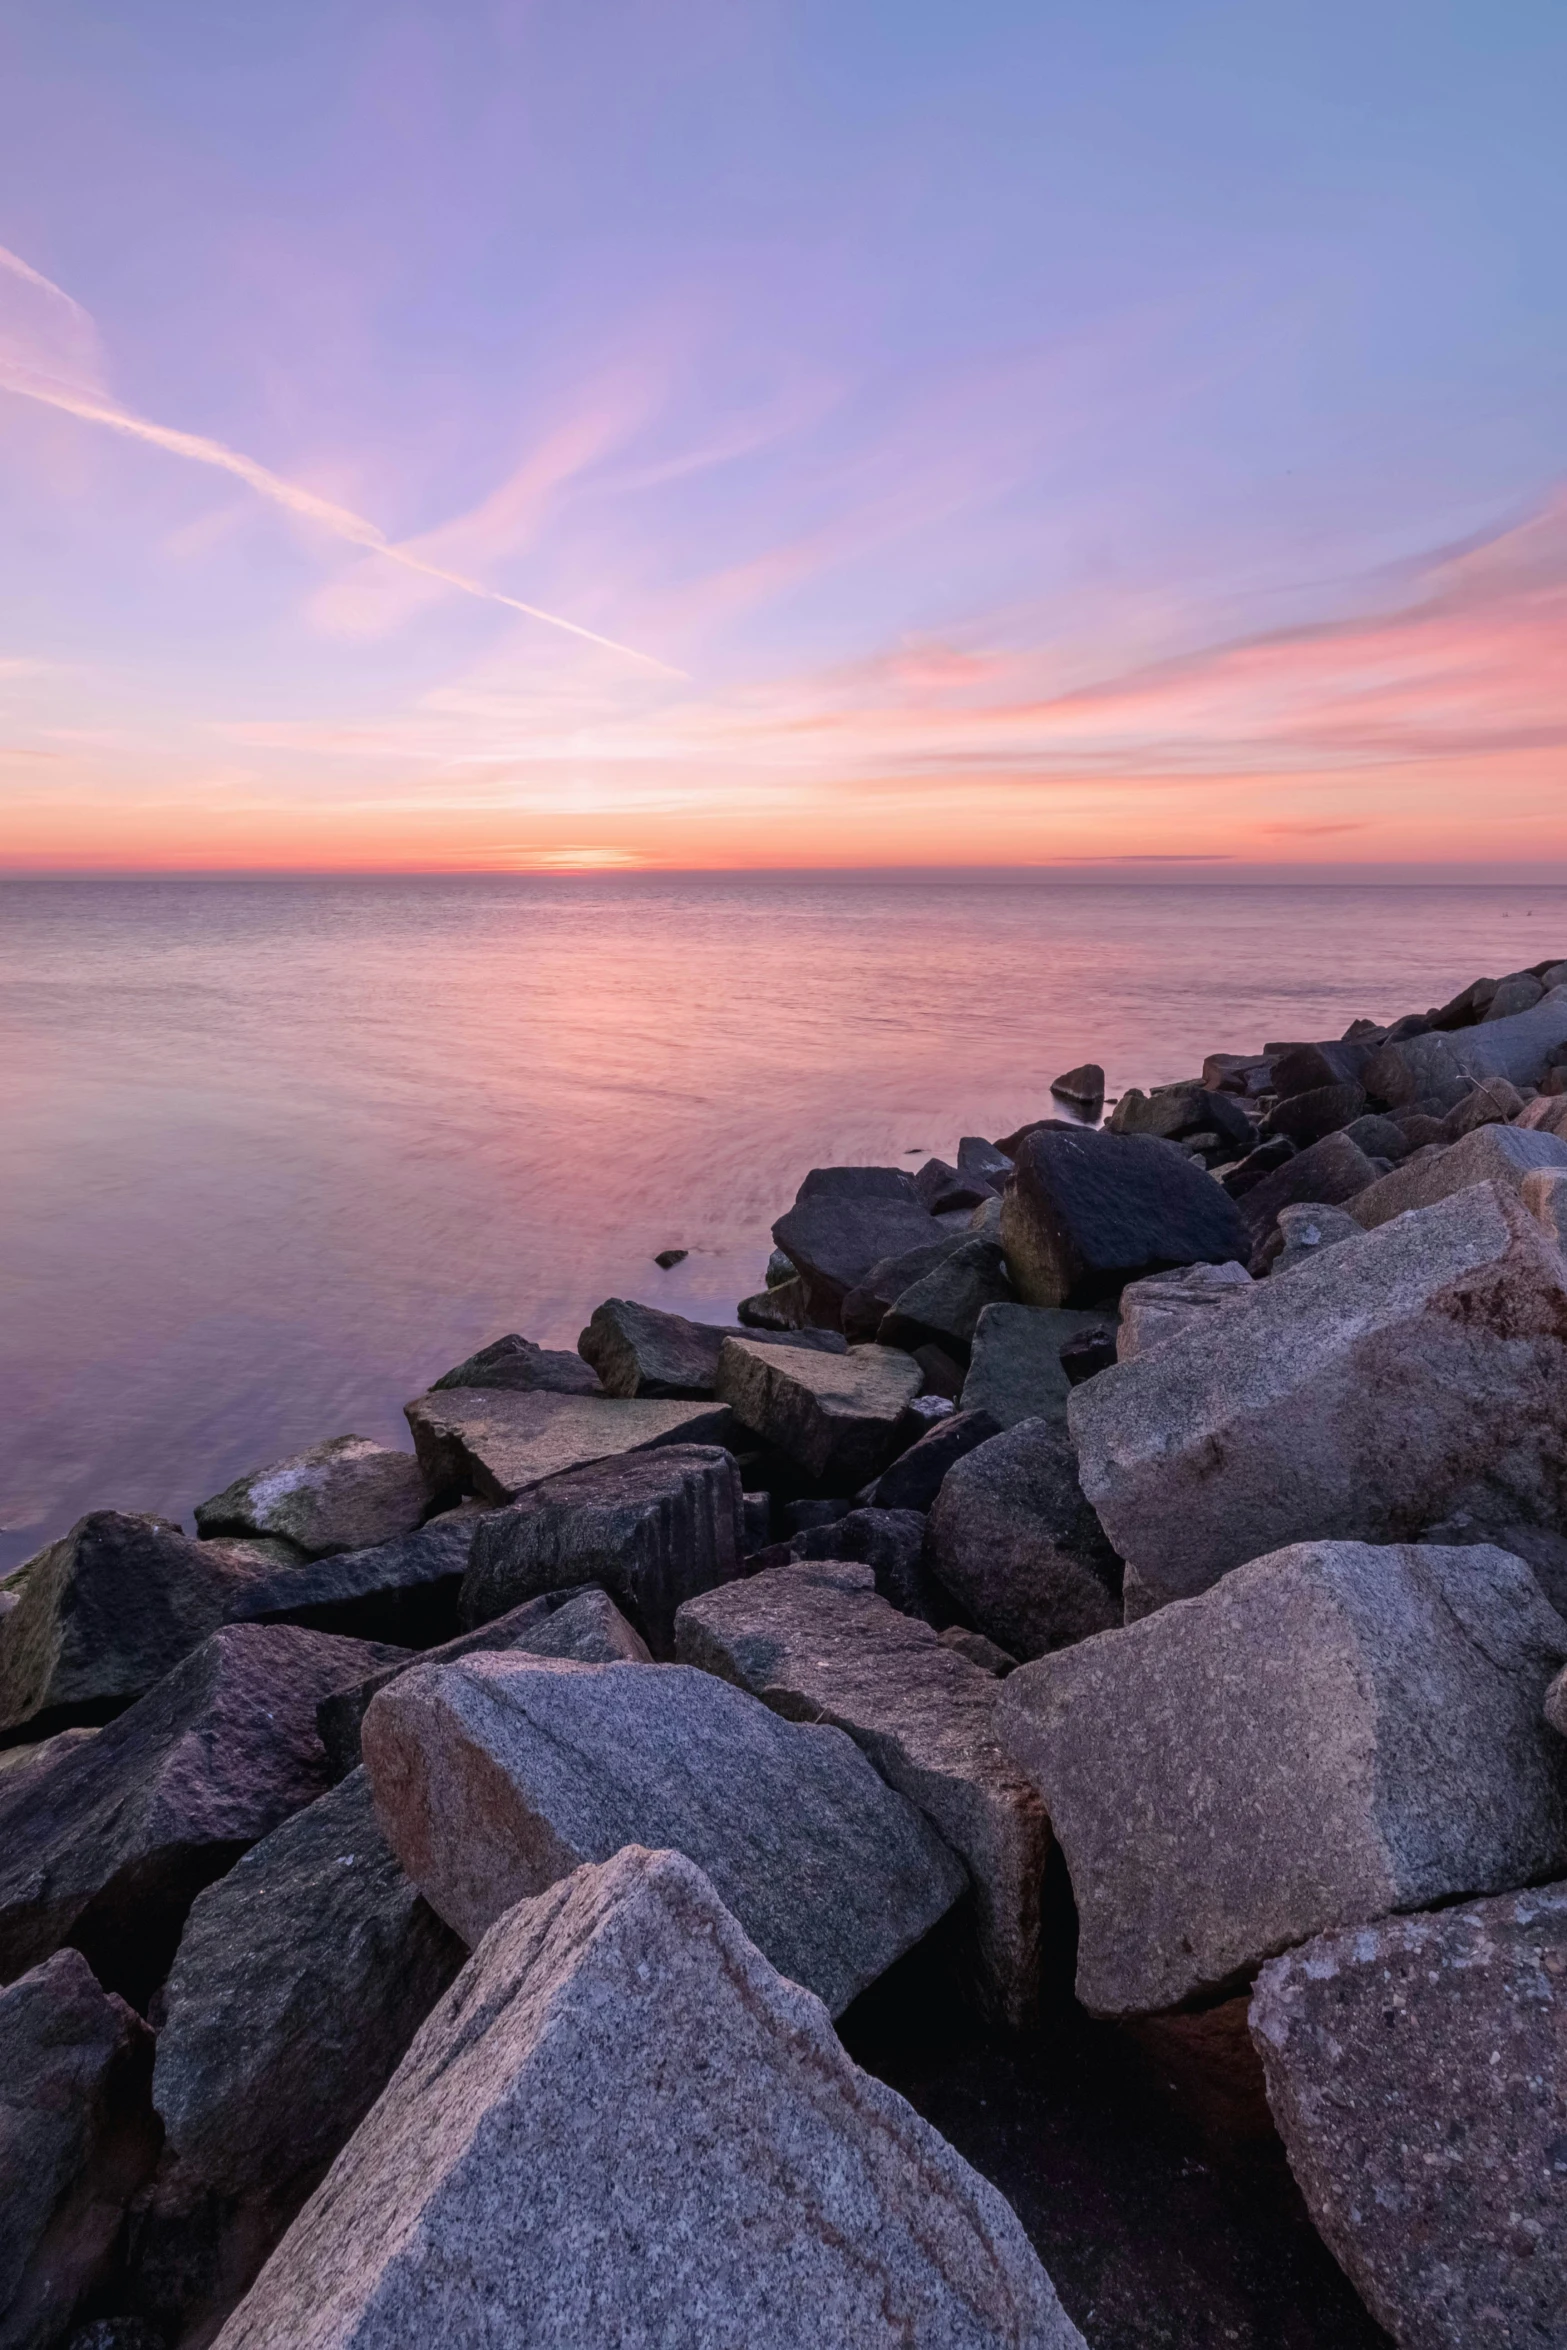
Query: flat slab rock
[[1329, 1734], [496, 1443], [621, 2125], [404, 1591], [836, 1415], [343, 1495], [496, 1776], [1415, 2070], [816, 1644]]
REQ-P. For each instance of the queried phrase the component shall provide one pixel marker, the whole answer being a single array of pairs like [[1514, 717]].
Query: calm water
[[276, 1153]]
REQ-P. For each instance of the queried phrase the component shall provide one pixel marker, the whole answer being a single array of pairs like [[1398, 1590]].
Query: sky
[[513, 435]]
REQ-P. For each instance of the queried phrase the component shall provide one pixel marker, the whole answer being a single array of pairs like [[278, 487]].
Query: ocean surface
[[274, 1153]]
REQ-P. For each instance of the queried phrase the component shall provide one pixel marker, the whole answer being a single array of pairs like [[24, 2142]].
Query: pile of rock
[[428, 1891]]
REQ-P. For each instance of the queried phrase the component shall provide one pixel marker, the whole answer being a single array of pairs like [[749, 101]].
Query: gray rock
[[108, 1846], [1017, 1546], [1176, 1112], [77, 2139], [498, 1775], [346, 1494], [944, 1308], [496, 1445], [978, 1650], [914, 1480], [781, 1306], [1421, 1069], [981, 1159], [1518, 1047], [1556, 1703], [590, 1627], [299, 1981], [1306, 1229], [1546, 1114], [1015, 1370], [1331, 1733], [1378, 1137], [845, 1220], [638, 1350], [650, 1528], [1329, 1173], [14, 1760], [817, 1645], [1488, 1154], [405, 1591], [1414, 2068], [1419, 1372], [837, 1416], [1087, 1212], [1246, 1074], [889, 1543], [1307, 1117], [1083, 1087], [621, 2125], [940, 1188], [1163, 1303], [1519, 992], [1492, 1103], [515, 1362], [872, 1299]]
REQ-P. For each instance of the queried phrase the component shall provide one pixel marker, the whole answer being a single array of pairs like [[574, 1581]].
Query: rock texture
[[496, 1444], [621, 2125], [495, 1776], [515, 1362], [837, 1416], [1415, 2070], [915, 1478], [404, 1591], [1155, 1308], [637, 1350], [1015, 1543], [1087, 1212], [844, 1221], [1519, 1048], [1487, 1154], [944, 1308], [1015, 1371], [816, 1644], [346, 1494], [1332, 1733]]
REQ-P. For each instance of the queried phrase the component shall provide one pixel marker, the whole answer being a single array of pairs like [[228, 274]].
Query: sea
[[276, 1152]]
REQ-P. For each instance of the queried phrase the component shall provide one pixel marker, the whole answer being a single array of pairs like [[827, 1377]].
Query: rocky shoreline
[[1016, 1794]]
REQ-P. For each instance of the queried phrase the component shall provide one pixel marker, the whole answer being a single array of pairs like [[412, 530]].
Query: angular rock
[[837, 1416], [944, 1308], [1248, 1074], [1083, 1087], [1518, 1047], [107, 1847], [1089, 1353], [1257, 1165], [817, 1645], [638, 1350], [1414, 2068], [405, 1591], [981, 1159], [621, 2125], [1015, 1369], [1307, 1117], [299, 1981], [1009, 1144], [1378, 1137], [515, 1362], [496, 1445], [1546, 1114], [914, 1480], [77, 2139], [1306, 1229], [1017, 1546], [1297, 1069], [1421, 1371], [1491, 1104], [978, 1650], [1544, 1194], [1331, 1733], [496, 1776], [346, 1494], [940, 1188], [867, 1305], [783, 1305], [14, 1760], [888, 1543], [1155, 1308], [1422, 1069], [845, 1220], [1088, 1212], [1174, 1112], [590, 1627], [1330, 1172], [651, 1529], [1488, 1154]]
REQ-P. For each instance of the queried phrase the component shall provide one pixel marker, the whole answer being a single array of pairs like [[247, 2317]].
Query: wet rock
[[837, 1416], [1414, 2070], [618, 2110], [914, 1479], [1488, 1154], [1083, 1087], [944, 1308], [668, 1258], [1307, 1117], [640, 1351], [405, 1591], [1015, 1543], [867, 1306], [516, 1363], [845, 1220], [942, 1188], [496, 1776], [497, 1445], [77, 2139], [1331, 1172], [1306, 1229], [107, 1847], [1010, 1144], [1016, 1371], [1088, 1212], [817, 1645], [1157, 1307], [346, 1494], [1329, 1734], [651, 1529]]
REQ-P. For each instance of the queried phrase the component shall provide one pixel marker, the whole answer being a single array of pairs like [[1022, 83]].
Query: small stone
[[667, 1258], [1018, 1547], [497, 1445], [516, 1363], [837, 1416], [781, 1306], [346, 1494], [1379, 1137], [1088, 1212], [1083, 1087]]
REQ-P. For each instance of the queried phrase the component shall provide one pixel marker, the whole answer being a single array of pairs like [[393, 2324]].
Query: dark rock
[[1016, 1370], [1265, 1160], [1424, 1068], [944, 1307], [516, 1363], [845, 1220], [1013, 1540], [1307, 1117], [837, 1416], [757, 1511], [405, 1591], [914, 1479], [1171, 1113], [781, 1306], [108, 1847], [978, 1651], [1331, 1171], [1310, 1068], [890, 1542], [1089, 1352], [801, 1517], [1419, 1128], [941, 1188], [942, 1373], [1083, 1087], [1380, 1137], [1412, 1024], [1155, 1309], [983, 1161], [1088, 1212], [667, 1258], [346, 1494], [497, 1445], [1466, 1007], [1491, 1104], [638, 1350], [867, 1306], [1009, 1144], [650, 1528], [779, 1270], [1246, 1074], [1519, 992]]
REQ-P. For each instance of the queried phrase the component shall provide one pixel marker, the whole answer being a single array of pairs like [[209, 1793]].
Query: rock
[[77, 2139], [14, 1760], [1299, 1069], [779, 1270], [1465, 1007], [516, 1363], [816, 1644], [668, 1258], [940, 1188], [1265, 1160], [1083, 1087], [1331, 1733], [639, 1351], [985, 1222], [1247, 1074], [781, 1306], [837, 1416], [1155, 1308], [845, 1220], [496, 1776], [497, 1445], [1307, 1117], [1490, 1104], [1422, 1069], [404, 1591], [889, 1542], [1088, 1212], [620, 2125], [1016, 1370], [1010, 1144], [914, 1479], [1017, 1546], [944, 1308], [1545, 1115], [1329, 1174], [981, 1160], [1518, 1047], [1556, 1703], [1488, 1154], [299, 1981], [590, 1627], [1306, 1229], [978, 1650], [107, 1847], [1367, 1397], [346, 1494], [1175, 1112], [649, 1528], [1414, 2068], [1089, 1353], [867, 1306], [1379, 1137], [1544, 1194]]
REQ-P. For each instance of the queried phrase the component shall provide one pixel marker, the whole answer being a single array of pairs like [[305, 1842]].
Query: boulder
[[1546, 1114], [836, 1416], [515, 1362], [914, 1480], [944, 1308], [1420, 1070], [494, 1444], [1087, 1212], [868, 1304], [1307, 1117], [783, 1305], [346, 1494], [299, 1981], [640, 1351], [1330, 1172], [1414, 2068], [650, 1528], [1492, 1103], [1177, 1112], [941, 1188], [108, 1846], [1299, 1069], [622, 2125], [1083, 1087], [1015, 1369], [404, 1591], [1306, 1229], [1155, 1308], [77, 2139], [1265, 1160], [1488, 1154], [844, 1221], [1518, 1046], [1374, 1393], [496, 1776], [1379, 1137], [1248, 1074], [14, 1760], [982, 1160], [1331, 1733], [888, 1543], [816, 1644], [1017, 1546]]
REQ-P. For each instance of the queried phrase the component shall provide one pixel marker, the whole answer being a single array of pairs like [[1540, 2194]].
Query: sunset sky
[[698, 433]]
